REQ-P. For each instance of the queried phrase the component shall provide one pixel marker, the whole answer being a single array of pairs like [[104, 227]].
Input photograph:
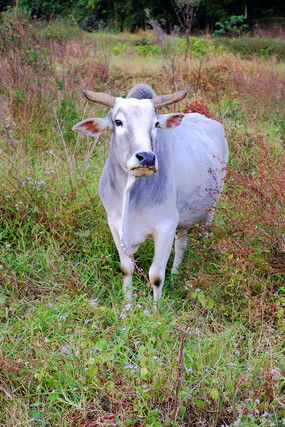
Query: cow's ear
[[168, 121], [93, 127]]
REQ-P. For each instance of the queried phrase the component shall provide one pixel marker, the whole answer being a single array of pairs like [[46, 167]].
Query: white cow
[[163, 174]]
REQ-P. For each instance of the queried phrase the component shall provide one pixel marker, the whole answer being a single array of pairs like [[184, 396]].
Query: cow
[[163, 174]]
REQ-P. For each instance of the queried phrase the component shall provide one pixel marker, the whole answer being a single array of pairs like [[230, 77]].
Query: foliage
[[234, 26], [248, 46], [72, 352], [122, 14]]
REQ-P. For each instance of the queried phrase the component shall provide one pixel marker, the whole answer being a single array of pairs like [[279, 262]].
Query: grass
[[72, 352]]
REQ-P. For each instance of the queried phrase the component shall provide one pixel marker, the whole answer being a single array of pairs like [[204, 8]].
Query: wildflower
[[63, 316], [275, 373], [155, 357], [257, 401], [137, 342], [237, 422], [146, 313], [50, 304], [189, 370], [131, 366], [66, 349], [123, 315], [139, 306], [42, 182], [265, 414], [87, 321], [128, 307], [93, 302]]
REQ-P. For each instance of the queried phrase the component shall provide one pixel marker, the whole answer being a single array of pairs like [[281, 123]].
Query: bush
[[247, 46], [147, 50], [235, 25]]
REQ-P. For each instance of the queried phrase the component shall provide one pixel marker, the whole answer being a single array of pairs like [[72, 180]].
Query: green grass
[[250, 46], [72, 352]]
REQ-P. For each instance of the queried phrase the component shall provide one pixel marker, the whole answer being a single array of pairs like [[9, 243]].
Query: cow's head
[[134, 124]]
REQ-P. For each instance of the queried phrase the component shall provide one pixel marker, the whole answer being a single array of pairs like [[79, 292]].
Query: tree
[[186, 11]]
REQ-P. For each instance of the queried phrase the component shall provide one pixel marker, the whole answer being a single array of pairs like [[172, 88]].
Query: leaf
[[144, 372], [200, 404], [202, 299], [211, 303], [36, 414], [214, 393]]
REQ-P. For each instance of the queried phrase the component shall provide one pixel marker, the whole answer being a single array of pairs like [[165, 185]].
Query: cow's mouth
[[144, 170]]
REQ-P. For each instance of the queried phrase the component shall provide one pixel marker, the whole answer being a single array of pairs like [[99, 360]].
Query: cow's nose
[[146, 159]]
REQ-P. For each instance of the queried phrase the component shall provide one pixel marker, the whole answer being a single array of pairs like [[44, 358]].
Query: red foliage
[[201, 108], [7, 366]]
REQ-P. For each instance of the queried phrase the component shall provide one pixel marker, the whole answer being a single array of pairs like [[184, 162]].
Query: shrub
[[147, 50], [234, 26], [247, 46]]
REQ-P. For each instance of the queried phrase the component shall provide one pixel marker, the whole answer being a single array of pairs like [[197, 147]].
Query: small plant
[[233, 26], [147, 50]]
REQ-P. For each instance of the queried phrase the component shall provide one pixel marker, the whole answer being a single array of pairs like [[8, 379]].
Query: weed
[[72, 352]]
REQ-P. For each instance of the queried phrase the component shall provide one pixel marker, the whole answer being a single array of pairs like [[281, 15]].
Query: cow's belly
[[193, 210], [144, 225], [197, 193]]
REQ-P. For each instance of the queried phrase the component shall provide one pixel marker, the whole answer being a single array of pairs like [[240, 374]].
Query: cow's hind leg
[[163, 241], [209, 217], [181, 240]]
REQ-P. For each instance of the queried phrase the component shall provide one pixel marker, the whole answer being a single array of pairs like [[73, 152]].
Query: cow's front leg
[[126, 263], [163, 241]]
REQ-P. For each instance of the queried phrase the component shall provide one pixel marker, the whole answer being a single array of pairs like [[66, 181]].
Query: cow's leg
[[181, 240], [163, 241], [126, 263], [209, 217]]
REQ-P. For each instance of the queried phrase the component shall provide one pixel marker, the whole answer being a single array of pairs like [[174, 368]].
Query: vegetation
[[127, 14], [72, 353]]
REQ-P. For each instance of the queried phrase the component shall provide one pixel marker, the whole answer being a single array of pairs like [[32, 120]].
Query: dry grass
[[67, 359]]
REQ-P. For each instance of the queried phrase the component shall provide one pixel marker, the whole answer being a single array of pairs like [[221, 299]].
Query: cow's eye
[[156, 124], [119, 123]]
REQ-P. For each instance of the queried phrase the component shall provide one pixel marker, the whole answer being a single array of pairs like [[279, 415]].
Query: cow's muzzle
[[146, 164], [146, 159]]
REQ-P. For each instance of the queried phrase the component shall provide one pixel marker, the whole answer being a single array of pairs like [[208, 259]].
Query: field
[[72, 352]]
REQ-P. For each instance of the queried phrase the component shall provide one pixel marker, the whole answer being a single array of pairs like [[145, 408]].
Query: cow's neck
[[123, 183]]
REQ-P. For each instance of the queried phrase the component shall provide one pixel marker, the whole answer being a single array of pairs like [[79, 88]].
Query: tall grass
[[72, 353]]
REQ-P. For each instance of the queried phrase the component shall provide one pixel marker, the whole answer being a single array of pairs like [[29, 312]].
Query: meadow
[[72, 352]]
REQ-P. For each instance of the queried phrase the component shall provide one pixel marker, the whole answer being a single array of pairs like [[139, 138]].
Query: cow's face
[[134, 124], [134, 133]]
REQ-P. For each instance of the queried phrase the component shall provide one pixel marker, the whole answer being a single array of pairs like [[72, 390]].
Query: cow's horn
[[161, 101], [100, 98]]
